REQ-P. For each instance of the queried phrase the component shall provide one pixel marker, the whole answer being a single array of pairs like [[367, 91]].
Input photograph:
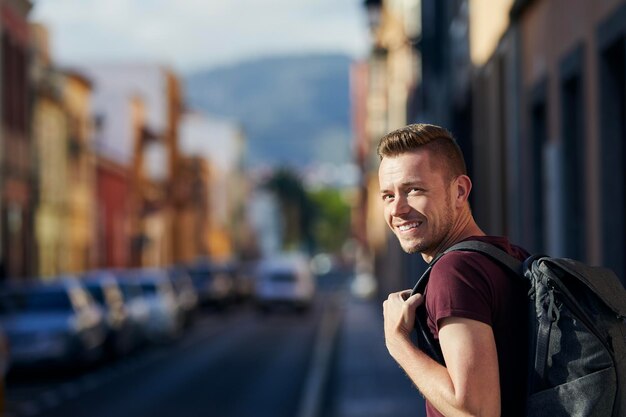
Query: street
[[234, 363]]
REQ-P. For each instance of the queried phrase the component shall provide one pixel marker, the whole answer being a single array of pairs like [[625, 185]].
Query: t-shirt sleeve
[[458, 287]]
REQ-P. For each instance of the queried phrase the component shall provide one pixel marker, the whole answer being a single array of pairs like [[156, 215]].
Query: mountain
[[295, 109]]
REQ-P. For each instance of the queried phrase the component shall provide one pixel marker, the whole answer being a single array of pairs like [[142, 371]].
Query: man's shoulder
[[502, 243], [474, 263], [458, 262]]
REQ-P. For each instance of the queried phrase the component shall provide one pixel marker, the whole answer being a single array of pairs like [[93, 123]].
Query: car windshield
[[200, 275], [130, 291], [282, 277], [149, 288], [97, 293], [44, 300]]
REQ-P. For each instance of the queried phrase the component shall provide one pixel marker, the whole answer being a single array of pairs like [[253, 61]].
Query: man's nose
[[399, 206]]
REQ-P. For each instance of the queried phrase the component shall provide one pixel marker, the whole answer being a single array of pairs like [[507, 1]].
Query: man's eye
[[386, 197]]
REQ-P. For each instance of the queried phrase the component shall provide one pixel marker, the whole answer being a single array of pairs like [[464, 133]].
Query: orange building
[[191, 196]]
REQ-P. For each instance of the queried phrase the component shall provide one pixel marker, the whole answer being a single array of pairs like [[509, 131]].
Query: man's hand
[[399, 314], [470, 383]]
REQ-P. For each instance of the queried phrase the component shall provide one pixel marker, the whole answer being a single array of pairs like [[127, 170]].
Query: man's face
[[417, 201]]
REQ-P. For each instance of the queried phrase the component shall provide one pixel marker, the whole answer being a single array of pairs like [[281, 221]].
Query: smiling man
[[475, 309]]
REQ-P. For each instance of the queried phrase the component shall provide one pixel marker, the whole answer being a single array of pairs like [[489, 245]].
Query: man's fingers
[[415, 300], [408, 299]]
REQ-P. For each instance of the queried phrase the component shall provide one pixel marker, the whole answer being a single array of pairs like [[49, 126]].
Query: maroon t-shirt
[[473, 286]]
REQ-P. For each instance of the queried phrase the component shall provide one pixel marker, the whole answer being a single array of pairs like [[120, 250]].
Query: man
[[475, 308]]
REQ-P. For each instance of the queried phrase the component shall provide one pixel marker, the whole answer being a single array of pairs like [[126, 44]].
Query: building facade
[[387, 82], [137, 110], [191, 195], [573, 121], [222, 144], [113, 214], [17, 246], [549, 123], [80, 223], [534, 91], [50, 139]]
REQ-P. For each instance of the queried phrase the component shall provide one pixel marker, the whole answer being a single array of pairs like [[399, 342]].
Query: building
[[534, 91], [113, 194], [572, 100], [17, 246], [79, 228], [64, 163], [222, 143], [388, 83], [443, 95], [551, 157], [495, 148], [50, 139], [191, 195], [137, 109]]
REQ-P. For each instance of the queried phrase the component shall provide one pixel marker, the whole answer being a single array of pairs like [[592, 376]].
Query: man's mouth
[[408, 226]]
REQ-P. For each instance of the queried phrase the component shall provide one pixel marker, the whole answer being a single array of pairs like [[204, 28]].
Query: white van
[[284, 280]]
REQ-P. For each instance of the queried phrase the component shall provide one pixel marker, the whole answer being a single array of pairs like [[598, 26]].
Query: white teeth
[[406, 227]]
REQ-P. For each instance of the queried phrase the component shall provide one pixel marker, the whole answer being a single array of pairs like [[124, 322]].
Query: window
[[574, 167], [538, 139]]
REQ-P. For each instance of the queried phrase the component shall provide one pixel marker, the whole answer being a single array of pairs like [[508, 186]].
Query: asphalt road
[[238, 363]]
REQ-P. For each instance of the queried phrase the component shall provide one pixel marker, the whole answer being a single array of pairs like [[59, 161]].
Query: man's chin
[[412, 247]]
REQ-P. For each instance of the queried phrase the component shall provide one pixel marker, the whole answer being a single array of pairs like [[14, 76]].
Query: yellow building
[[62, 133], [50, 140], [50, 136], [80, 225]]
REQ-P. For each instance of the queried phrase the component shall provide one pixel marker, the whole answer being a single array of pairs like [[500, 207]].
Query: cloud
[[192, 34]]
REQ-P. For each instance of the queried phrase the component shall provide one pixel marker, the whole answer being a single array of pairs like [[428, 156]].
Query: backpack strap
[[488, 249]]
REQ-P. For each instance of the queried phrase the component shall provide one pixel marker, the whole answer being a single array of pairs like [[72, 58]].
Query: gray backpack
[[577, 325]]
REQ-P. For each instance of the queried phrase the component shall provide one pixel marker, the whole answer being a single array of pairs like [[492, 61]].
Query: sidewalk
[[367, 381]]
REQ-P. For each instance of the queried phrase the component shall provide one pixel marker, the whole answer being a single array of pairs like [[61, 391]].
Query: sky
[[191, 35]]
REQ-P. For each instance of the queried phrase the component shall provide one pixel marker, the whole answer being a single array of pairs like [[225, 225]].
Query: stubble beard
[[429, 244], [412, 247]]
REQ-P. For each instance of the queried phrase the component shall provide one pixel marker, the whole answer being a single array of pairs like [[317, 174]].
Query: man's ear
[[463, 186]]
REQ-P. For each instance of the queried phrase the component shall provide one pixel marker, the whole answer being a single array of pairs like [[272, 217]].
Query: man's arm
[[469, 384]]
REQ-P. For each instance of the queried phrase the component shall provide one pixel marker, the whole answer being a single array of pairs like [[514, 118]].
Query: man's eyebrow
[[411, 183]]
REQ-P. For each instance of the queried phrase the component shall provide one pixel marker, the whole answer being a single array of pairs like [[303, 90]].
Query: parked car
[[284, 280], [55, 323], [165, 321], [185, 292], [214, 283], [136, 306], [123, 335], [244, 279]]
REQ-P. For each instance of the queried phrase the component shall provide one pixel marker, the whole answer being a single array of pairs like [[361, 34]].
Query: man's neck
[[466, 227]]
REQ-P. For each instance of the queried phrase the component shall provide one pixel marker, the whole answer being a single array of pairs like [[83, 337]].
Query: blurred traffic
[[75, 322]]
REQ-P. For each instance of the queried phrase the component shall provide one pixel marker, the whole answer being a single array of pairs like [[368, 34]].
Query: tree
[[297, 209], [332, 219]]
